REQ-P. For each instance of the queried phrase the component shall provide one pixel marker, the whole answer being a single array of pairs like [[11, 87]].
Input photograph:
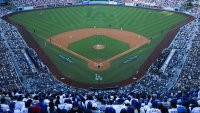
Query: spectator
[[196, 109], [11, 107], [42, 105], [75, 108], [36, 109], [173, 106], [154, 108], [52, 108], [4, 105]]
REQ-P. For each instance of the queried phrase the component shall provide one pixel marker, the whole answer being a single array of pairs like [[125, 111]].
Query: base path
[[64, 39]]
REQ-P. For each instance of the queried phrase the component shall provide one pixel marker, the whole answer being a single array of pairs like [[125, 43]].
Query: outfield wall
[[152, 6]]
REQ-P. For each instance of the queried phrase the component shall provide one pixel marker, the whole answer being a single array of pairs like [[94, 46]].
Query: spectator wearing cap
[[130, 109], [89, 99], [162, 108], [89, 106], [179, 102], [145, 106], [137, 106], [173, 108], [4, 105], [42, 105], [165, 102], [30, 103], [75, 108], [67, 105], [81, 105], [196, 109], [19, 103], [12, 108], [123, 111], [110, 110], [154, 108], [35, 99], [57, 102], [27, 107], [102, 106], [52, 108], [94, 108], [181, 109], [186, 104], [119, 105], [193, 103]]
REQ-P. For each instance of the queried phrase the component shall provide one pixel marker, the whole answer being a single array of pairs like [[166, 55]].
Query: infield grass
[[152, 24], [111, 48]]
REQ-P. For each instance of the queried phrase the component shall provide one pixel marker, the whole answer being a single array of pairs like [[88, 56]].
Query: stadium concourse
[[172, 83]]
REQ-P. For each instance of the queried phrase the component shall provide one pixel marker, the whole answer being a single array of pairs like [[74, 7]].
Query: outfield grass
[[112, 47], [149, 23]]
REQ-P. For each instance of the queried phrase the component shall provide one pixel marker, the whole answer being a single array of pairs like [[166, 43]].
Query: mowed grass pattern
[[85, 48], [152, 24]]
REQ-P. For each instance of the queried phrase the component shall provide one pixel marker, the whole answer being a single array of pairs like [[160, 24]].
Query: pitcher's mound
[[98, 47]]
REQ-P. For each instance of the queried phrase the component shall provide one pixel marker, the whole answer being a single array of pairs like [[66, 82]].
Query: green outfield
[[44, 24], [112, 47]]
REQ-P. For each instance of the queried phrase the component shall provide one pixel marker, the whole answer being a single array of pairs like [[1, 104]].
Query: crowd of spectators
[[16, 45], [189, 78], [26, 3], [162, 3], [99, 102], [24, 63], [156, 81], [8, 78], [3, 11], [194, 11]]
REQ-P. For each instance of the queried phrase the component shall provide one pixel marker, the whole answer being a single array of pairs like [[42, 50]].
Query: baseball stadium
[[98, 44], [90, 47]]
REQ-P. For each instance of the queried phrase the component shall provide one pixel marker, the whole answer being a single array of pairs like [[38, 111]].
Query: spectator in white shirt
[[173, 108], [4, 105], [196, 109], [154, 108], [19, 103], [119, 105]]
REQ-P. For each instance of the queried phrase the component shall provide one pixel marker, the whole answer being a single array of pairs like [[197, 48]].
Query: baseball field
[[98, 44]]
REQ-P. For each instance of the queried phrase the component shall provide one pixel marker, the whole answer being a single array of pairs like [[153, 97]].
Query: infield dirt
[[64, 39]]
